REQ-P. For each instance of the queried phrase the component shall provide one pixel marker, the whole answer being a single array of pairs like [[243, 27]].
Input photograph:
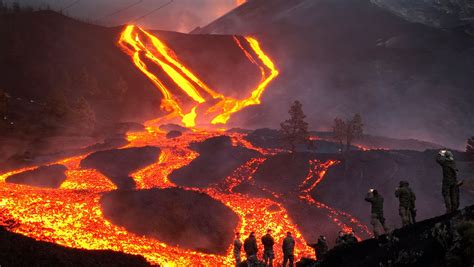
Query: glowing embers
[[151, 56]]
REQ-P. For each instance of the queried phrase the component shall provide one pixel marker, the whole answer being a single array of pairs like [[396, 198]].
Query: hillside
[[66, 84], [340, 57]]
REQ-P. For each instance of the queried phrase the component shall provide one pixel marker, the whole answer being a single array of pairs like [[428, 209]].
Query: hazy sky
[[179, 15]]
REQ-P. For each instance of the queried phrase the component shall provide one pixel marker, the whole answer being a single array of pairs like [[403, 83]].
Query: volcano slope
[[89, 84], [341, 57], [178, 217]]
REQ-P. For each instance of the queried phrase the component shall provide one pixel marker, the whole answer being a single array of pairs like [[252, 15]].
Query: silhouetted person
[[450, 187], [237, 249], [340, 240], [406, 198], [320, 248], [288, 248], [268, 253], [377, 219], [351, 238], [251, 249]]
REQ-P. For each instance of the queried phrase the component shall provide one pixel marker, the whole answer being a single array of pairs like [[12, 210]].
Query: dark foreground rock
[[217, 159], [173, 127], [175, 216], [117, 164], [45, 176], [447, 240], [18, 250], [173, 134]]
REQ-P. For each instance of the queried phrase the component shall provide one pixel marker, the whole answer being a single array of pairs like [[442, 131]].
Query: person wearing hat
[[320, 248], [377, 218], [450, 185], [268, 254], [288, 248], [237, 249], [406, 199]]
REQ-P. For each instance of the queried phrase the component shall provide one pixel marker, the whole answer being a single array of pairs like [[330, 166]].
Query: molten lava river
[[71, 215]]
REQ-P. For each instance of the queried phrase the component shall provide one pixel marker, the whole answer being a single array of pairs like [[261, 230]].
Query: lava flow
[[71, 215], [147, 51]]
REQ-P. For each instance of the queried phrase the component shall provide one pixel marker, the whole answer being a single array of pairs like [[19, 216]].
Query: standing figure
[[320, 248], [406, 198], [377, 219], [288, 248], [251, 249], [340, 240], [450, 187], [237, 249], [268, 253], [351, 238]]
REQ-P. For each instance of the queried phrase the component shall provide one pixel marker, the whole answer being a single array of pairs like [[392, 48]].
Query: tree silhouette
[[470, 148], [295, 130], [339, 129], [348, 131]]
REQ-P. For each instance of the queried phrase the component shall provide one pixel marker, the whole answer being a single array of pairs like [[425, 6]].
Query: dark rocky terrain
[[173, 134], [217, 159], [175, 216], [18, 250], [51, 176], [446, 240], [117, 164]]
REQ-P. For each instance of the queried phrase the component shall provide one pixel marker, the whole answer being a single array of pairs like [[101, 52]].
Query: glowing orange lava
[[147, 51], [71, 215]]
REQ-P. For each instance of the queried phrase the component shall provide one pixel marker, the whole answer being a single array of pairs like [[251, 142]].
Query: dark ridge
[[19, 250]]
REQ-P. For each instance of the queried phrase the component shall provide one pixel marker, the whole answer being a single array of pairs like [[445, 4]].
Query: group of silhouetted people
[[251, 249], [407, 198], [407, 212]]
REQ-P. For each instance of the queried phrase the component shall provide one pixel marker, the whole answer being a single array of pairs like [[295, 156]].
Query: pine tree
[[354, 131], [295, 130], [348, 131], [339, 130], [470, 148]]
